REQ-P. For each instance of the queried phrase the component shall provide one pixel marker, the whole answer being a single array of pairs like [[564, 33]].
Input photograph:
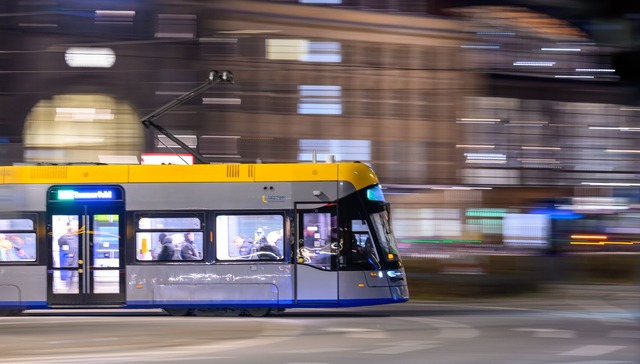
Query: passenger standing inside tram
[[168, 249], [189, 251], [68, 245], [158, 248]]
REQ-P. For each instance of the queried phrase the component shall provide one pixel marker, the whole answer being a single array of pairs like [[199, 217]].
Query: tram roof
[[359, 174]]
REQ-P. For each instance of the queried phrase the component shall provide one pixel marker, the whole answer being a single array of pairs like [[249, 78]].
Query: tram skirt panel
[[216, 295]]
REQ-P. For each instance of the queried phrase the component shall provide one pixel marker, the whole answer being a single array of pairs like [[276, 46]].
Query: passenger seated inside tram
[[169, 250], [245, 247], [268, 247]]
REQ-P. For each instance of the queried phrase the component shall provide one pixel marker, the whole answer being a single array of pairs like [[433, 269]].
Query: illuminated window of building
[[81, 128], [90, 57], [320, 100], [303, 50], [343, 150], [427, 223]]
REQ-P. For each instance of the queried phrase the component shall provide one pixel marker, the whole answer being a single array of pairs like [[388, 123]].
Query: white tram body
[[242, 236]]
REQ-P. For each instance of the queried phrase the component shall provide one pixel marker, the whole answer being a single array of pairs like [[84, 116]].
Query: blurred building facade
[[484, 97]]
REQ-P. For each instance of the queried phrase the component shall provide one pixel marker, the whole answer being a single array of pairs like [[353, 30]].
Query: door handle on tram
[[80, 261], [80, 270]]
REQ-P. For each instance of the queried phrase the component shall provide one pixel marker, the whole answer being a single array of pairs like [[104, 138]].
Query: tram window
[[169, 222], [170, 238], [17, 245], [169, 245], [249, 237], [319, 246], [363, 252], [382, 226]]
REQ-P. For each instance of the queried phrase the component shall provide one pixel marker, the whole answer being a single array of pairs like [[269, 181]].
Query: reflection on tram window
[[16, 244], [106, 241], [318, 247], [249, 237], [170, 238]]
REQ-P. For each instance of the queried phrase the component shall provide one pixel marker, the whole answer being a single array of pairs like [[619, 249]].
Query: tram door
[[317, 254], [85, 237]]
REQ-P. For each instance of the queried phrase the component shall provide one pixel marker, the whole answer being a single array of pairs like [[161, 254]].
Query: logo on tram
[[267, 199]]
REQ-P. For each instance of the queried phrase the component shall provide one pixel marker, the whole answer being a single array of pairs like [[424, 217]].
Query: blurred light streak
[[570, 76], [593, 207], [597, 237], [622, 151], [90, 57], [631, 108], [526, 123], [494, 161], [485, 156], [480, 46], [249, 31], [617, 184], [221, 101], [561, 49], [82, 114], [475, 146], [595, 70], [128, 13], [461, 188], [510, 34], [534, 63], [83, 139], [217, 40], [538, 160], [433, 187], [540, 148], [477, 121], [613, 128], [41, 25], [320, 1], [604, 243], [114, 16]]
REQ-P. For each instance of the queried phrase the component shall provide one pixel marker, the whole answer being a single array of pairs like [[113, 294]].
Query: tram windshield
[[379, 214], [382, 227]]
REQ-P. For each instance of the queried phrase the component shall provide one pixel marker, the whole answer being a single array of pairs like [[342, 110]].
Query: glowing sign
[[85, 195]]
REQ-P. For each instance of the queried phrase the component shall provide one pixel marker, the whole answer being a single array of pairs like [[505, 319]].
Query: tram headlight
[[395, 276]]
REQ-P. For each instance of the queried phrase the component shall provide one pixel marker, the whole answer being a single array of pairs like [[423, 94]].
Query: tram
[[251, 237]]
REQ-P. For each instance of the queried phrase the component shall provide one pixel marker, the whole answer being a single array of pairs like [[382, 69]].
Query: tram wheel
[[179, 311], [258, 312]]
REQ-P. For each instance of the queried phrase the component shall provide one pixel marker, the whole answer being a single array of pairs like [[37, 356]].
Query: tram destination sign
[[94, 193]]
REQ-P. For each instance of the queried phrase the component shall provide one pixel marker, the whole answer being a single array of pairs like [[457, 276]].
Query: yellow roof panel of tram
[[360, 175]]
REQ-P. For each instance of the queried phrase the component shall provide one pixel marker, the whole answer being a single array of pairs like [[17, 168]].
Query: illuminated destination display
[[97, 193], [77, 195]]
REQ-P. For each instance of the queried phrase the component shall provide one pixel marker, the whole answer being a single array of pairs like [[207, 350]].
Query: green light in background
[[486, 212], [444, 241]]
